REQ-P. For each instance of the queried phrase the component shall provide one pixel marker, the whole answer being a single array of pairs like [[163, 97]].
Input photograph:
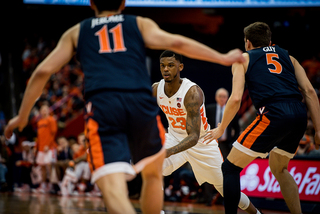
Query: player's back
[[112, 54], [270, 76]]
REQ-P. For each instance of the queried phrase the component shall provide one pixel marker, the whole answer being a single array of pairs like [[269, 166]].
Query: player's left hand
[[16, 122], [213, 134]]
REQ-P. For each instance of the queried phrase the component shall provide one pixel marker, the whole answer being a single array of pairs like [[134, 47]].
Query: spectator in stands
[[24, 167], [305, 146], [181, 184], [214, 114], [63, 157], [80, 174], [3, 161], [46, 145], [312, 67]]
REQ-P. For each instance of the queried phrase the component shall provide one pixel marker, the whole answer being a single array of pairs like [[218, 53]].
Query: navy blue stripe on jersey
[[270, 75], [111, 51]]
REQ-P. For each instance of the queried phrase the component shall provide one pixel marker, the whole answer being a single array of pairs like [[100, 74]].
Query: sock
[[231, 186], [258, 212]]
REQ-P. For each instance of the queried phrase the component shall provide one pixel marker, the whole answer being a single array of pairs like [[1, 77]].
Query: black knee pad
[[228, 167]]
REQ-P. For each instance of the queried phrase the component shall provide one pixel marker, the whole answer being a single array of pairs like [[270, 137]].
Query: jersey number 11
[[104, 40]]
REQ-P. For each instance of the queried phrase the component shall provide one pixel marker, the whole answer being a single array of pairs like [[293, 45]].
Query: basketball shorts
[[205, 160], [278, 126], [124, 132], [44, 158]]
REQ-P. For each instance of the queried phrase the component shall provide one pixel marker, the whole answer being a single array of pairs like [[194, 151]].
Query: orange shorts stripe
[[95, 156], [161, 130], [252, 132]]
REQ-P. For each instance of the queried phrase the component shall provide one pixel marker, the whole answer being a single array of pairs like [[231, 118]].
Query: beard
[[169, 81]]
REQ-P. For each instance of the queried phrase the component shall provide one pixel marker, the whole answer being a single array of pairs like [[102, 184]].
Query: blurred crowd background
[[30, 32]]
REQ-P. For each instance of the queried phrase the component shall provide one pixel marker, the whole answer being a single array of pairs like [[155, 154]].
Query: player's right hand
[[233, 56], [16, 122]]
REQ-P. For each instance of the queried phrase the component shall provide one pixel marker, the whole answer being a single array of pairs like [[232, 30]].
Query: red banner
[[258, 181]]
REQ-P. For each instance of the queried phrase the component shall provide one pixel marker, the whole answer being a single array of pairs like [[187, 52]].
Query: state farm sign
[[258, 181]]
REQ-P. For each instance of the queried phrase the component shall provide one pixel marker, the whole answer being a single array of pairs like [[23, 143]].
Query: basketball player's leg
[[231, 169], [279, 167], [209, 169], [151, 194], [115, 194]]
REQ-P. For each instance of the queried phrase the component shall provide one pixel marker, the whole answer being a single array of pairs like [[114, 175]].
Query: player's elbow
[[42, 72], [309, 92], [177, 42], [194, 139], [236, 100]]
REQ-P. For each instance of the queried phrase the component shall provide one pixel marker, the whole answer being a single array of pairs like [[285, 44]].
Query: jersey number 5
[[271, 61], [104, 41]]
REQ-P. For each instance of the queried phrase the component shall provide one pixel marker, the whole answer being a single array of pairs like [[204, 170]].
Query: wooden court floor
[[30, 203]]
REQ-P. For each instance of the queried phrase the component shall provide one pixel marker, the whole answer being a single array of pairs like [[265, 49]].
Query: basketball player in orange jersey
[[182, 101], [121, 113], [46, 154], [276, 82]]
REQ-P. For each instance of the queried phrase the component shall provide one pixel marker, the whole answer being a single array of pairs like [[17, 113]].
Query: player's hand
[[213, 134], [317, 139], [18, 163], [233, 56], [16, 122], [46, 148]]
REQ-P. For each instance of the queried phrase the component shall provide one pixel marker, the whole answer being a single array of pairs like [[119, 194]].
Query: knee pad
[[244, 201], [228, 167]]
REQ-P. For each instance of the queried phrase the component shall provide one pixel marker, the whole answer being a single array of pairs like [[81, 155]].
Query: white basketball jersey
[[176, 112]]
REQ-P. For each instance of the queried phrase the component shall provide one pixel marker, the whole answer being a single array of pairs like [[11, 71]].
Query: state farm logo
[[250, 180], [307, 179]]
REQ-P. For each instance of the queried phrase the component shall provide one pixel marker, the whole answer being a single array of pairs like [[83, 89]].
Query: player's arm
[[155, 89], [53, 126], [193, 101], [310, 97], [155, 38], [233, 103], [51, 64]]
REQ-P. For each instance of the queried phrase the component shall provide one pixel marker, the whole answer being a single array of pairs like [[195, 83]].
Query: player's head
[[258, 34], [44, 111], [107, 5], [82, 139], [170, 65]]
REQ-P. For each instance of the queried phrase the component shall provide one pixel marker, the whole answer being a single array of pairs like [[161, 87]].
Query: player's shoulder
[[155, 88], [194, 93]]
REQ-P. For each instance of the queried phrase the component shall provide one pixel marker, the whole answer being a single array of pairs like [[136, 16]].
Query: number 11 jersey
[[112, 54]]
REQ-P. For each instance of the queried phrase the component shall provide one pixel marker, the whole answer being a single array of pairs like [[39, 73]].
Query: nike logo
[[161, 97]]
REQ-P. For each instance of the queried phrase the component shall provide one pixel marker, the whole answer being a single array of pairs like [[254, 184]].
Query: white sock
[[258, 212]]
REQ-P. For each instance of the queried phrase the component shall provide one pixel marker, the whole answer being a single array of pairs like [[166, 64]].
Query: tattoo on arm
[[193, 102]]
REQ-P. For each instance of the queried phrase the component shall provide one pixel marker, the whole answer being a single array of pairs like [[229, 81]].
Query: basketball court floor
[[30, 203]]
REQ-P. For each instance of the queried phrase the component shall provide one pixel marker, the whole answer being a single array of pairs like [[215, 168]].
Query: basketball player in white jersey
[[182, 101]]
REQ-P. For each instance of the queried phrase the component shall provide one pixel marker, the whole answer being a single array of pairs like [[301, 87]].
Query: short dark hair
[[107, 5], [168, 53], [258, 33]]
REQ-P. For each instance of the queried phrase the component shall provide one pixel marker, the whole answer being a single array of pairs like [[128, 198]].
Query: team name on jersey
[[172, 110], [106, 20], [268, 49]]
